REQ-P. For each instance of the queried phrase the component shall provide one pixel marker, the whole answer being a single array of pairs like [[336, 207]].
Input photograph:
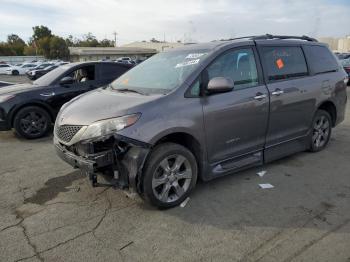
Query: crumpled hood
[[100, 104], [14, 89]]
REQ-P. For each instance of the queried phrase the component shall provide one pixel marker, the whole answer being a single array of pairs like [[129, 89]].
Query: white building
[[159, 46], [80, 54]]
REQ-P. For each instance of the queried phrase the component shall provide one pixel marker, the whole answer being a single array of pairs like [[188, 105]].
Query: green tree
[[40, 32], [89, 40], [58, 48], [29, 50], [16, 44], [6, 50], [106, 43], [43, 45]]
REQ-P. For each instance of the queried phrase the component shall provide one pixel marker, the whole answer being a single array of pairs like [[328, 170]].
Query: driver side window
[[83, 74], [239, 65]]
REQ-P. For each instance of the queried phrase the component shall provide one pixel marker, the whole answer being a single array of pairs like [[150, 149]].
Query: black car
[[32, 108], [36, 73]]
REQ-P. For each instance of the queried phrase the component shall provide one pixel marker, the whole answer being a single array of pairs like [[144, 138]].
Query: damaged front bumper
[[119, 158]]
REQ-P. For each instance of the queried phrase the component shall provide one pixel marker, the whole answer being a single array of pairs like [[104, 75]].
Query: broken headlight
[[109, 126]]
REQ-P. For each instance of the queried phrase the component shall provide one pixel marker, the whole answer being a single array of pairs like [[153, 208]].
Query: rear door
[[236, 121], [292, 101]]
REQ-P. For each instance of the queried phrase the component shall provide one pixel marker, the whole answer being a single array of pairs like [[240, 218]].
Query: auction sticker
[[188, 63]]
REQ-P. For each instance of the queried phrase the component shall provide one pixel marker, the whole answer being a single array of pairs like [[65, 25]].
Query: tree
[[40, 32], [58, 48], [89, 40], [106, 43], [43, 45], [6, 50], [29, 50], [16, 44]]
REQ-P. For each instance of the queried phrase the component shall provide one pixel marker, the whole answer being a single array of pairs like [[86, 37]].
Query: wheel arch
[[38, 104], [188, 141], [329, 107]]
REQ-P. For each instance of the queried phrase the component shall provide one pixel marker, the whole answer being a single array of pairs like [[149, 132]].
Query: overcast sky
[[198, 20]]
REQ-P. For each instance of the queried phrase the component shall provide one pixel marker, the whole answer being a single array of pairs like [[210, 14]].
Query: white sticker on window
[[195, 55], [188, 63]]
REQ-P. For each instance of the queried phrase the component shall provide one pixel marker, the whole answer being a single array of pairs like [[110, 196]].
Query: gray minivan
[[204, 111]]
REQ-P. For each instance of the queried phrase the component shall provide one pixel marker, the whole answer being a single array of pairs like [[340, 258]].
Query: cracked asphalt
[[49, 211]]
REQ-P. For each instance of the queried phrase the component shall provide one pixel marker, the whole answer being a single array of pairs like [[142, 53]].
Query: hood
[[15, 89], [101, 104]]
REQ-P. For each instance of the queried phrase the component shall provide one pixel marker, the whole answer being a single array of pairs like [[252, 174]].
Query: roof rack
[[269, 36]]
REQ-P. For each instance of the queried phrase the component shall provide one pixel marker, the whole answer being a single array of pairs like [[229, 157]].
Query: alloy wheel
[[172, 178], [321, 131], [33, 123]]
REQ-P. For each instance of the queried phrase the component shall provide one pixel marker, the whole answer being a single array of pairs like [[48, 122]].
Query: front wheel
[[170, 175], [15, 73], [321, 131], [32, 122]]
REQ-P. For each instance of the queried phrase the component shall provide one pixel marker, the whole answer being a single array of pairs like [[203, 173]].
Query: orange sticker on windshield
[[125, 81], [279, 63]]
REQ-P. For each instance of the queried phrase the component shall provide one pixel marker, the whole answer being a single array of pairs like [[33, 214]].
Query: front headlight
[[4, 98], [109, 126]]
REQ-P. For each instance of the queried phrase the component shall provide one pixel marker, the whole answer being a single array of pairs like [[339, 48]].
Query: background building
[[159, 46], [341, 45], [80, 54]]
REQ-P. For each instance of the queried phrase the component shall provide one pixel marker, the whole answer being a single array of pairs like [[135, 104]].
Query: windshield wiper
[[129, 90]]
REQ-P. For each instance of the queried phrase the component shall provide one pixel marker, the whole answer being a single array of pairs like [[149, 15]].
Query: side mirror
[[220, 85], [68, 80]]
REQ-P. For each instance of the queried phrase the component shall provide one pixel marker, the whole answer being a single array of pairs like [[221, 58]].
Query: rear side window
[[284, 62], [320, 59], [112, 71]]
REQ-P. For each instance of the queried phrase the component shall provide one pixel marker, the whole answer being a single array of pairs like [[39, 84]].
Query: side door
[[82, 79], [292, 100], [3, 68], [235, 122]]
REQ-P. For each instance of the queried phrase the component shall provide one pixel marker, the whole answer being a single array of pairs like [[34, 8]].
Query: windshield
[[161, 73], [51, 76]]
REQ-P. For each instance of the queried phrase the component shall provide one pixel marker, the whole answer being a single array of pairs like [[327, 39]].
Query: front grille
[[66, 132]]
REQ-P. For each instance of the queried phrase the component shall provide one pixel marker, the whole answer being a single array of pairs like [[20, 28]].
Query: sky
[[172, 20]]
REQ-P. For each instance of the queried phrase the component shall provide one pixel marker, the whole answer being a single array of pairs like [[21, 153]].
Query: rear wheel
[[321, 131], [32, 122], [15, 73], [170, 175]]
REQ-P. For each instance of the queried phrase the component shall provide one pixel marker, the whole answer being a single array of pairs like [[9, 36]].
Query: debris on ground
[[261, 173], [266, 186], [184, 203]]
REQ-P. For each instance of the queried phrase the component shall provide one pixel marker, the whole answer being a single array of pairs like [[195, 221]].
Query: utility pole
[[115, 38]]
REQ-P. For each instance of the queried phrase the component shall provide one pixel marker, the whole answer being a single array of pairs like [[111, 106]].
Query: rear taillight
[[347, 68]]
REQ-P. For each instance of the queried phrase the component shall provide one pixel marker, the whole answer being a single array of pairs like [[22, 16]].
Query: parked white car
[[3, 68], [20, 70]]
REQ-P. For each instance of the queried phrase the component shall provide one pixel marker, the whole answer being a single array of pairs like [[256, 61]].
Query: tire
[[15, 73], [321, 131], [174, 183], [32, 122]]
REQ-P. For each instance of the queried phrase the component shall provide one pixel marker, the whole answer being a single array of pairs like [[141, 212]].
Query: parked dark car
[[204, 111], [31, 108], [346, 65], [37, 73]]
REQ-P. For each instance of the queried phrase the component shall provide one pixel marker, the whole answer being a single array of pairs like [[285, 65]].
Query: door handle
[[48, 94], [277, 92], [260, 96]]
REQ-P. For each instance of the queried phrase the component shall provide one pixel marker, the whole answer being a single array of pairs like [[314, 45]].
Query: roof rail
[[269, 36]]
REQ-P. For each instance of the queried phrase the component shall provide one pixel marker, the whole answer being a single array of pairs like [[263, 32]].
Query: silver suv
[[204, 111]]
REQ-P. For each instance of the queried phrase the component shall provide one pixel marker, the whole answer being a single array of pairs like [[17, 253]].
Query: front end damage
[[119, 159]]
